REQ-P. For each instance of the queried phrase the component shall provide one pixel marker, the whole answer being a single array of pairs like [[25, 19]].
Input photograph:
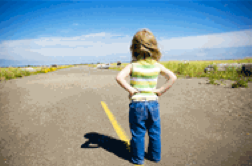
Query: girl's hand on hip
[[132, 92], [158, 92]]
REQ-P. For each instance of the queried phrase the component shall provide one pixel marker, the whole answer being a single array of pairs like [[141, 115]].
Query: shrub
[[52, 69], [44, 70], [116, 68], [16, 72], [19, 74], [203, 74], [240, 83], [2, 78], [27, 73], [212, 81], [9, 75], [2, 75]]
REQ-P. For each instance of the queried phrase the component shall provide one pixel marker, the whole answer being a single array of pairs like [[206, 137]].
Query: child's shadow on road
[[118, 147]]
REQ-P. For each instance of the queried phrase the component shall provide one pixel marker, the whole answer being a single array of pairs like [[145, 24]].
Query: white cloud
[[221, 40], [97, 34], [95, 44], [75, 24], [103, 44]]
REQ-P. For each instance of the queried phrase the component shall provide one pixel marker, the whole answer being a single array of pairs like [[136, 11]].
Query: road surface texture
[[44, 118]]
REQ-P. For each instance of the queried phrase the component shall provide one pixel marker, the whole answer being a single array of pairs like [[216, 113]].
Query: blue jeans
[[144, 115]]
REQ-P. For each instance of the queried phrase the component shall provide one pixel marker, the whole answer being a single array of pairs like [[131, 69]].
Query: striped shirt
[[144, 78]]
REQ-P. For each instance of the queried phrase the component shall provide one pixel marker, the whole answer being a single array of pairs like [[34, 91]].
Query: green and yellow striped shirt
[[144, 78]]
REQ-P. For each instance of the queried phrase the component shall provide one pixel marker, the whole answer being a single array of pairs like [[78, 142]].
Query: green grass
[[196, 69], [193, 69], [13, 73]]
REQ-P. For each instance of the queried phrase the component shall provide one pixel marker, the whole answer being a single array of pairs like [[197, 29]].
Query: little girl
[[144, 107]]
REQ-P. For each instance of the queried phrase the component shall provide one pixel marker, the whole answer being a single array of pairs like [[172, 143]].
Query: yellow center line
[[120, 132]]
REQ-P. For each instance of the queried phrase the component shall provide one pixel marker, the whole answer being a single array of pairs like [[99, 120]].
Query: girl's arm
[[120, 78], [170, 76]]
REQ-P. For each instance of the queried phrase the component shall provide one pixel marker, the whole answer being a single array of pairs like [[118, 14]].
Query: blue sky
[[74, 31]]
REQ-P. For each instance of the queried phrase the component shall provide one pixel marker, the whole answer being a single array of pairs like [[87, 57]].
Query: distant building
[[54, 65], [119, 63]]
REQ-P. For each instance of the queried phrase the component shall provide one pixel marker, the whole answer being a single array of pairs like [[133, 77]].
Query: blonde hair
[[144, 44]]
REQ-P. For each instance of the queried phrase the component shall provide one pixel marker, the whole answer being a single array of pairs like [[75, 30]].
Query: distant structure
[[119, 63], [246, 68], [103, 66], [54, 65]]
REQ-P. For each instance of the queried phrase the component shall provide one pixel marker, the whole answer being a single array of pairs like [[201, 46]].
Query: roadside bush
[[212, 81], [27, 73], [44, 70], [9, 75], [18, 74], [116, 68], [2, 75], [240, 82], [12, 73], [22, 73], [60, 67], [51, 69], [54, 68]]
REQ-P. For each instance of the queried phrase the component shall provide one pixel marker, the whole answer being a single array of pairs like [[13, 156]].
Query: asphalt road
[[57, 119]]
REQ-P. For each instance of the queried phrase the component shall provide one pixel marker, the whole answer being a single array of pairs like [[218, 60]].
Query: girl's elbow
[[118, 79], [174, 78]]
